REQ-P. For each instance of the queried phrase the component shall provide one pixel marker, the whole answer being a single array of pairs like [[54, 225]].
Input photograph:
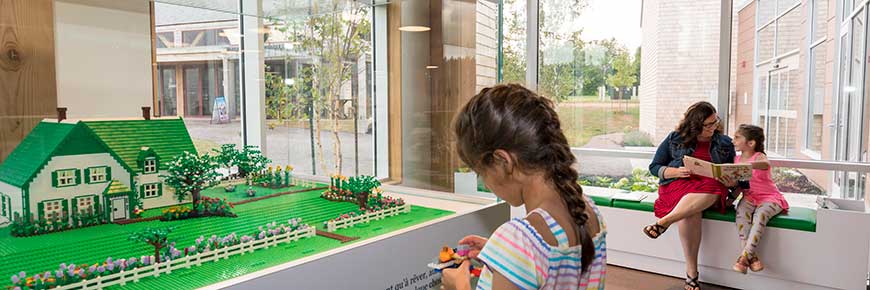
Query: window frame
[[72, 177], [146, 165], [45, 211], [814, 45], [155, 191], [90, 176]]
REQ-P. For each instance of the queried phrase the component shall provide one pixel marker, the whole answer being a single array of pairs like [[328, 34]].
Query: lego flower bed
[[21, 227], [205, 207], [74, 276]]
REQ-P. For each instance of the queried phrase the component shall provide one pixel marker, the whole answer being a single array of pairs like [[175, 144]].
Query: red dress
[[671, 193]]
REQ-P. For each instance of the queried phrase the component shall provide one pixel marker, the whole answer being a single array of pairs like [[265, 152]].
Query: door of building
[[119, 208], [780, 98]]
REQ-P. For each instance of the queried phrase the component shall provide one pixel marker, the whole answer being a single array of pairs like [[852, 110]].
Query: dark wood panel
[[28, 87]]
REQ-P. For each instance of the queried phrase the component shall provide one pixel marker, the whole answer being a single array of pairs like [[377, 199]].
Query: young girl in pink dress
[[761, 202]]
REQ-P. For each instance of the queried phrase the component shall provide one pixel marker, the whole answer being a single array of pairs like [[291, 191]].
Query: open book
[[704, 168]]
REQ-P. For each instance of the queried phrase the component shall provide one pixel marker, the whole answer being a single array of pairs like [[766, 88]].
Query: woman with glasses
[[683, 196]]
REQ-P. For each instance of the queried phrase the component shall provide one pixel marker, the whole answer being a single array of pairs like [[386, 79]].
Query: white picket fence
[[333, 225], [166, 267]]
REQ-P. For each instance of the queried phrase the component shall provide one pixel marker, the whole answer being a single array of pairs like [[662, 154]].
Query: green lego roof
[[167, 137], [33, 152], [117, 187]]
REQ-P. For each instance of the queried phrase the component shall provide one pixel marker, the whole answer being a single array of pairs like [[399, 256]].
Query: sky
[[605, 19]]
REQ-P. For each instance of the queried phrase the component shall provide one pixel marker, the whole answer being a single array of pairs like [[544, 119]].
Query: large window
[[818, 70]]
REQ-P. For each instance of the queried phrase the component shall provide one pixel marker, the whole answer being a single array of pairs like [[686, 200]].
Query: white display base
[[836, 256], [393, 261]]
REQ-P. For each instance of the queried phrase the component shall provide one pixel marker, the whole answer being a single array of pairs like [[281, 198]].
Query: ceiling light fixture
[[414, 28]]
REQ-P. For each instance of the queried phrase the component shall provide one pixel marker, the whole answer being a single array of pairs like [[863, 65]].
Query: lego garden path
[[94, 244]]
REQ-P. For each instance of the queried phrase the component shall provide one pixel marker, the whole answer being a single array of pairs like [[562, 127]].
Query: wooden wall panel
[[394, 90], [28, 87]]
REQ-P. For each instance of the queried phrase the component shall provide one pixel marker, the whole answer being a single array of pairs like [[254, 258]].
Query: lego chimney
[[61, 114], [146, 113]]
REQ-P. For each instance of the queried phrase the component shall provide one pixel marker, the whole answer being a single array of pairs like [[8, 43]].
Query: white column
[[227, 74], [253, 75], [380, 107], [532, 44]]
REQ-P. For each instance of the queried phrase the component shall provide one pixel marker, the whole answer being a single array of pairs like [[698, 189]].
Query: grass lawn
[[94, 244], [581, 124], [238, 195]]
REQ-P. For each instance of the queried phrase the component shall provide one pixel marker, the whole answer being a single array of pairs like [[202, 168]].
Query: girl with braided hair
[[513, 139]]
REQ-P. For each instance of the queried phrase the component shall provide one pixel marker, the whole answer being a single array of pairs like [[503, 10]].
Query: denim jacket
[[670, 154]]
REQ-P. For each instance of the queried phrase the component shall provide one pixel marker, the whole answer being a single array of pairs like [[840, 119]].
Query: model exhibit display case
[[132, 204]]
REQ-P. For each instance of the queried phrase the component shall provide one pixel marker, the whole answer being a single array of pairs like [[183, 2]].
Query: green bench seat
[[797, 218]]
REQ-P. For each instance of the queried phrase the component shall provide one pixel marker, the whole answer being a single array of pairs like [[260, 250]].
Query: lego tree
[[361, 187], [250, 160], [157, 238], [226, 156], [190, 174]]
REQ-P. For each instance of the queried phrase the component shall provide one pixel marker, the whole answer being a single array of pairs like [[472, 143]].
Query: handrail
[[779, 162]]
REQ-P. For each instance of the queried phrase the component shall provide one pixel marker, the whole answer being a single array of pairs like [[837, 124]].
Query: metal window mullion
[[725, 61], [532, 42]]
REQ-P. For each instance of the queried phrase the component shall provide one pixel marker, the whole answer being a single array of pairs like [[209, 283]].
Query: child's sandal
[[655, 230], [692, 282], [755, 264], [742, 265]]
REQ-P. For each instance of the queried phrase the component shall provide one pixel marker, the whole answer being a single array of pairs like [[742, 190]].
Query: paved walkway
[[291, 145], [590, 165]]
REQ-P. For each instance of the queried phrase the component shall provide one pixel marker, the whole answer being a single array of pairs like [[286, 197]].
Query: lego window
[[85, 203], [97, 174], [66, 177], [51, 208], [150, 165], [151, 190]]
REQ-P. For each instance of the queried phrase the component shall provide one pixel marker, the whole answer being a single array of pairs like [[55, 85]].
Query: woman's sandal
[[655, 230], [692, 282]]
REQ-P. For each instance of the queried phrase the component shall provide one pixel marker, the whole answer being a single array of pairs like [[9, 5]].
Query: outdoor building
[[804, 86]]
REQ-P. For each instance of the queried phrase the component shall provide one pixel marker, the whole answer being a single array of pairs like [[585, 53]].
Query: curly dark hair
[[512, 118], [753, 133], [692, 123]]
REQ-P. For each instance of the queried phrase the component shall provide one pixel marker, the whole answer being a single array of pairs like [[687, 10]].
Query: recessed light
[[414, 28], [431, 66]]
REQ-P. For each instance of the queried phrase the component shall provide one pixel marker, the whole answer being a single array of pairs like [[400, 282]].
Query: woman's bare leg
[[690, 236], [689, 205]]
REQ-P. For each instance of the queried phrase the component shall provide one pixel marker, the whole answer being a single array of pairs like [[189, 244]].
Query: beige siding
[[486, 53]]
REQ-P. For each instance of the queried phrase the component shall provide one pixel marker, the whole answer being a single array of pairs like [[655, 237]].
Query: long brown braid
[[515, 119]]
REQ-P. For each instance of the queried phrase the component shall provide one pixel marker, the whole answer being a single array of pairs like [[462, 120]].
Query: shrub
[[175, 213], [210, 206], [22, 227], [636, 138], [640, 180], [791, 180]]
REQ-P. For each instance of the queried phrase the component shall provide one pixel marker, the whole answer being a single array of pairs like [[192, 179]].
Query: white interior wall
[[103, 58]]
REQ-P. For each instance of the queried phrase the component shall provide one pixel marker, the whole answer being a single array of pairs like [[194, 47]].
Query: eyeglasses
[[712, 125]]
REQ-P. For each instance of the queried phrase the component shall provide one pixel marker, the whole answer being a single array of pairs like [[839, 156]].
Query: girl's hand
[[475, 243], [728, 181], [681, 172], [457, 279]]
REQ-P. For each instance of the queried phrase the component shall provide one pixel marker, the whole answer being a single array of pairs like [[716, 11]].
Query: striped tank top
[[518, 252]]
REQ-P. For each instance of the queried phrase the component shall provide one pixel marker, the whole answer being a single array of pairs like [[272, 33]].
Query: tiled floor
[[619, 278]]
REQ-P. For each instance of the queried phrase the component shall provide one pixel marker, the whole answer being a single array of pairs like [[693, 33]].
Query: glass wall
[[318, 58], [197, 70], [318, 79]]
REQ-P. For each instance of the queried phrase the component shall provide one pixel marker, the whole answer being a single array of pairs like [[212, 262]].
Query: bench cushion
[[797, 218]]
